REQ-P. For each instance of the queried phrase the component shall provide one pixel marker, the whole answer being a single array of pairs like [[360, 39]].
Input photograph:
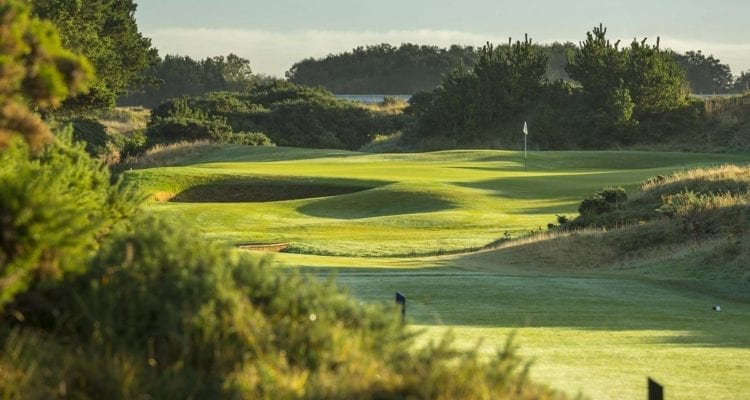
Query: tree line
[[619, 95], [409, 68]]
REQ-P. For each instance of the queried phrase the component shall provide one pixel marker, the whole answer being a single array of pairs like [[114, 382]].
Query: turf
[[417, 203], [599, 330], [600, 336]]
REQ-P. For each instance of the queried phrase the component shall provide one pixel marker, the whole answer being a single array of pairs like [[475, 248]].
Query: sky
[[275, 34]]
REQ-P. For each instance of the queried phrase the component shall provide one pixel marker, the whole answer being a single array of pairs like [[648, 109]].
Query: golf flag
[[525, 128]]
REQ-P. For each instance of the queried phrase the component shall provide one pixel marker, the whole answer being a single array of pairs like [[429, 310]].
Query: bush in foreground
[[161, 314]]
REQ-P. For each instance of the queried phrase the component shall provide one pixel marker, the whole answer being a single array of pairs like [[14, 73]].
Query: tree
[[598, 65], [471, 103], [656, 83], [641, 77], [176, 76], [742, 83], [706, 75], [105, 31], [36, 71]]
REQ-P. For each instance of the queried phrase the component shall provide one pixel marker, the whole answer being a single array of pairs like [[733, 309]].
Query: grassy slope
[[600, 328], [424, 203]]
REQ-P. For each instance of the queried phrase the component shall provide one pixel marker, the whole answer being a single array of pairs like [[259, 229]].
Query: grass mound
[[689, 225], [392, 200]]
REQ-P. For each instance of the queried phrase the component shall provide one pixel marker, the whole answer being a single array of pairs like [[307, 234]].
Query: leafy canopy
[[105, 31]]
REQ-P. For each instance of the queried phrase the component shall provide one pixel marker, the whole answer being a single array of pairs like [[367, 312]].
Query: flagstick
[[525, 162]]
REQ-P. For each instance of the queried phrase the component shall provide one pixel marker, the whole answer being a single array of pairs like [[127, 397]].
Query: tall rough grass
[[162, 155]]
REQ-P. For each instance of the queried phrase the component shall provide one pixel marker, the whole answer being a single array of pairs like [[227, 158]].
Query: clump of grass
[[124, 120], [162, 155], [389, 106], [688, 208], [384, 144]]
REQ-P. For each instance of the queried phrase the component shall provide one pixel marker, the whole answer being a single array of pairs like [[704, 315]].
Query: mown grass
[[422, 203], [597, 319]]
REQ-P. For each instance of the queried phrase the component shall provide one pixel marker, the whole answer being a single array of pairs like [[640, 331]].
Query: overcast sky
[[275, 34]]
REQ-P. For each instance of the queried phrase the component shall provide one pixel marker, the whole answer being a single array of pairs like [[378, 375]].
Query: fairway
[[377, 221], [391, 204]]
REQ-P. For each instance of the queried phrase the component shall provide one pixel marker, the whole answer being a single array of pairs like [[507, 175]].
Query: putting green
[[599, 332]]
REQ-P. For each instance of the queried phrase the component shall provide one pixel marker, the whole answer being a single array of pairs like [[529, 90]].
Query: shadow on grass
[[568, 187], [253, 190], [376, 203], [451, 297]]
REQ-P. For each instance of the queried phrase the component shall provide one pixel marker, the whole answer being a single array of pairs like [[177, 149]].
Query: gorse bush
[[248, 139], [35, 70], [182, 121], [288, 114], [54, 206], [160, 313]]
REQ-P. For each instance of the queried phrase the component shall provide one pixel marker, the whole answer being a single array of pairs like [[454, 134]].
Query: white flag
[[525, 128]]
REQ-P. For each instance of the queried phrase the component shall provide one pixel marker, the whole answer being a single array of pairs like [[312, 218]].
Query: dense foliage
[[290, 115], [35, 70], [470, 105], [642, 77], [105, 31], [620, 97], [381, 69], [742, 83], [410, 68], [176, 76], [407, 69], [706, 74]]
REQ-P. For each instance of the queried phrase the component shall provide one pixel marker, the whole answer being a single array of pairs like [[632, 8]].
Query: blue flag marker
[[401, 299]]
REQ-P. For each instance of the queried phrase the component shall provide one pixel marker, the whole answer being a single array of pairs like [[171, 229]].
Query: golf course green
[[415, 223]]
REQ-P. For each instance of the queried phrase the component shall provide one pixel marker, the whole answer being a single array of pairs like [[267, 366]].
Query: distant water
[[372, 98]]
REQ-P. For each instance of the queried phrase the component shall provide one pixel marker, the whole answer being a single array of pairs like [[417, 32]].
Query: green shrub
[[54, 205], [134, 145], [603, 201], [290, 115], [181, 129], [92, 133], [159, 313], [249, 139]]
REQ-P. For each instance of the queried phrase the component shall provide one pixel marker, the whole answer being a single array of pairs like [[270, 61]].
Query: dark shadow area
[[379, 203], [264, 190], [238, 153], [568, 187], [452, 297]]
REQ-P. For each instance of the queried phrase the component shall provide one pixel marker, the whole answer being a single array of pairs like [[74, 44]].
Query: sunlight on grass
[[422, 204], [600, 331]]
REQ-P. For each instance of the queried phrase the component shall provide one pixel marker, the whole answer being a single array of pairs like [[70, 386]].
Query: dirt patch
[[272, 248]]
